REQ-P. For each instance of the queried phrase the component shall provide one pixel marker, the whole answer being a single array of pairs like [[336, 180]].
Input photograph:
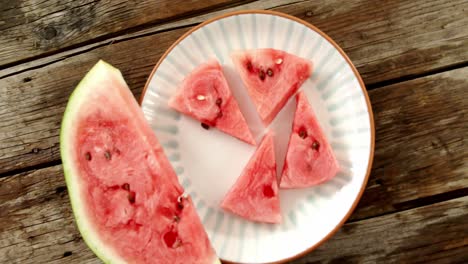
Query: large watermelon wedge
[[205, 95], [271, 78], [126, 197], [309, 159], [254, 196]]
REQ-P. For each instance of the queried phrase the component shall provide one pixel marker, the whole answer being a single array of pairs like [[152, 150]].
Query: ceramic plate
[[208, 162]]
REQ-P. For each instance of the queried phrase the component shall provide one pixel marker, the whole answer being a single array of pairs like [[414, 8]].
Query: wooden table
[[412, 55]]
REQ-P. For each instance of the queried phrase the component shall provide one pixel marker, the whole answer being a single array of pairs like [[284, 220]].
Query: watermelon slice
[[271, 77], [127, 201], [309, 159], [254, 196], [205, 95]]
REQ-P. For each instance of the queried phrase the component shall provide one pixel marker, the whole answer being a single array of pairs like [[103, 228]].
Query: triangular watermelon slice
[[127, 201], [254, 196], [205, 95], [271, 77], [309, 159]]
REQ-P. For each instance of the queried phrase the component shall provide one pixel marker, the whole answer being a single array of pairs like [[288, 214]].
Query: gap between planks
[[132, 33], [86, 22]]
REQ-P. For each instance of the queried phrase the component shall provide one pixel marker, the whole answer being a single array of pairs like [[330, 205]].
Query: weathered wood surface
[[37, 226], [387, 40], [421, 142], [434, 234], [168, 25], [31, 28]]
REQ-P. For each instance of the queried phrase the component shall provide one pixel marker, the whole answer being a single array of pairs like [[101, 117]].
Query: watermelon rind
[[100, 72]]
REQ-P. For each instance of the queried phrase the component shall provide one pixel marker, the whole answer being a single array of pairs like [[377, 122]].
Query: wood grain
[[434, 234], [37, 226], [385, 41], [389, 39], [186, 22], [421, 142], [30, 28], [36, 221]]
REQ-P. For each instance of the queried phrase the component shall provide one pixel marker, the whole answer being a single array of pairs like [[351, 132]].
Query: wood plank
[[31, 28], [37, 226], [421, 149], [390, 39], [437, 233], [256, 5], [385, 41], [36, 221]]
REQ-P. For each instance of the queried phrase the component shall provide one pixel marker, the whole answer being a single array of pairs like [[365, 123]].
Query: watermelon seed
[[107, 155], [249, 66], [220, 114], [205, 126], [88, 156], [279, 61], [262, 75], [302, 133], [131, 197], [180, 199], [201, 97], [176, 218], [270, 72], [180, 206], [315, 145], [219, 101], [126, 186]]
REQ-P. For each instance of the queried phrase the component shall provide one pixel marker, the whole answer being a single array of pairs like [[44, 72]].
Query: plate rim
[[356, 74]]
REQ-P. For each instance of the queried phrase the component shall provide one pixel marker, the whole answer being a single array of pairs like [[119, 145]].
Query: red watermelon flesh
[[128, 203], [309, 159], [205, 95], [254, 196], [271, 77]]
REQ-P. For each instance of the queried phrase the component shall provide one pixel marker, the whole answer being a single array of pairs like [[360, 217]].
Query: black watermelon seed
[[261, 74], [131, 197], [303, 133], [315, 145], [249, 66], [205, 126]]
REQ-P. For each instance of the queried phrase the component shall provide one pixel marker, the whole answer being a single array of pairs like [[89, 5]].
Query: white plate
[[208, 162]]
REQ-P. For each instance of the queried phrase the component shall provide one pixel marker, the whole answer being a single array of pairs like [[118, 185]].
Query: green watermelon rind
[[76, 100]]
